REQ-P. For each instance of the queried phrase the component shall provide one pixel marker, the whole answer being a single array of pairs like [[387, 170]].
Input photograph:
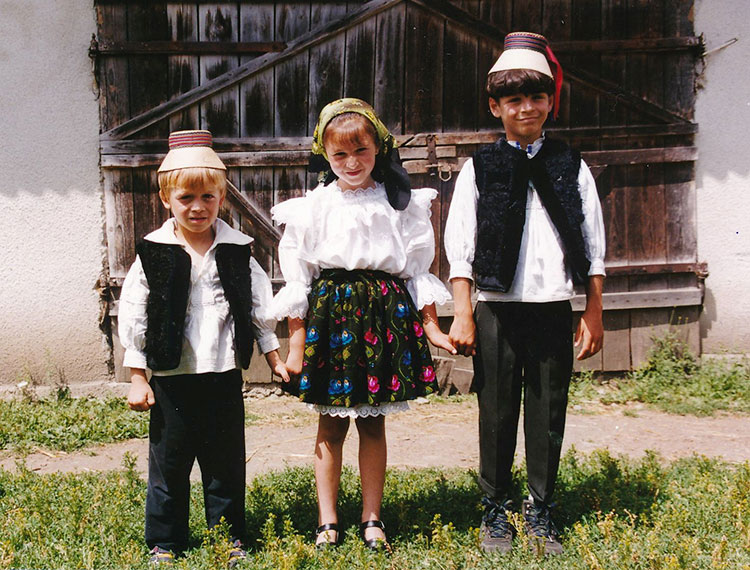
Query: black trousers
[[524, 350], [196, 416]]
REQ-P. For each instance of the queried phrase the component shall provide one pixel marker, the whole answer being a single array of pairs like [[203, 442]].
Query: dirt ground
[[432, 434]]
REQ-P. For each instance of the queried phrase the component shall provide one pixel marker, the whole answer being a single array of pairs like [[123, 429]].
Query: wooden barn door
[[257, 73]]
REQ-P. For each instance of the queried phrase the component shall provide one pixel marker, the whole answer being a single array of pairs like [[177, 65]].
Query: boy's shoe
[[236, 554], [496, 530], [161, 557], [543, 535]]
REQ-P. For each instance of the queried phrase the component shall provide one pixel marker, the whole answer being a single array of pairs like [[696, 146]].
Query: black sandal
[[374, 543], [326, 543]]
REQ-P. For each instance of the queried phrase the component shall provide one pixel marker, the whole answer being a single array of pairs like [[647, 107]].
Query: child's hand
[[294, 361], [140, 396], [463, 335], [589, 334], [432, 329], [277, 365], [438, 338]]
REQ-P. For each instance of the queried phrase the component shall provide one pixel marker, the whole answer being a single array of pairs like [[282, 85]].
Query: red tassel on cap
[[558, 80]]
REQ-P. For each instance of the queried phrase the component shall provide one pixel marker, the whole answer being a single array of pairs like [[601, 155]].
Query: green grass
[[675, 381], [614, 513], [64, 423]]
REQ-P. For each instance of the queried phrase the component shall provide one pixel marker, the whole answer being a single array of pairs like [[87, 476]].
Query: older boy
[[191, 307], [525, 225]]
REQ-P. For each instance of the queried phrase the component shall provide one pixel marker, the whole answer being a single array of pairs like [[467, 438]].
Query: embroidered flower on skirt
[[364, 344]]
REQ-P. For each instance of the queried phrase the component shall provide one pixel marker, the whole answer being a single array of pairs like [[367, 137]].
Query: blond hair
[[195, 178]]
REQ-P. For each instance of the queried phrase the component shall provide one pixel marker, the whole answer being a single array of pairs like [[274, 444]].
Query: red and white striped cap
[[188, 149], [527, 50]]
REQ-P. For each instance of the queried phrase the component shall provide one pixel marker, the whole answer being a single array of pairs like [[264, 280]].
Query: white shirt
[[541, 273], [355, 229], [208, 340]]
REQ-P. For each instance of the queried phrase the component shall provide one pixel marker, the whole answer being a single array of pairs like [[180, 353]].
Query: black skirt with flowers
[[365, 343]]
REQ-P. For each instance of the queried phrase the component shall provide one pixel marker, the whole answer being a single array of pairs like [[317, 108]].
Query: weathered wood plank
[[460, 93], [176, 47], [147, 74], [389, 76], [183, 70], [456, 139], [288, 183], [257, 186], [359, 74], [656, 298], [219, 113], [114, 100], [253, 157], [257, 65], [118, 209], [680, 195], [527, 15], [257, 92], [423, 91], [148, 211], [326, 63], [616, 350], [584, 103], [292, 110]]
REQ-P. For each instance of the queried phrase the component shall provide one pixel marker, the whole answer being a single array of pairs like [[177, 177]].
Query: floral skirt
[[365, 344]]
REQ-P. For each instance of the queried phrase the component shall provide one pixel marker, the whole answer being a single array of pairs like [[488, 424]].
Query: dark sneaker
[[543, 535], [161, 557], [236, 554], [496, 530]]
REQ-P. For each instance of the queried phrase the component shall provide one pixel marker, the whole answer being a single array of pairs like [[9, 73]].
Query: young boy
[[191, 307], [525, 225]]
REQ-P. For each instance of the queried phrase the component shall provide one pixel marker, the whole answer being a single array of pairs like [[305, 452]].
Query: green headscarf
[[351, 105], [388, 169]]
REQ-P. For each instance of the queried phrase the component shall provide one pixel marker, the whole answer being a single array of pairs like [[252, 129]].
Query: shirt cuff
[[426, 289], [597, 267], [461, 269], [134, 359], [290, 301], [268, 342]]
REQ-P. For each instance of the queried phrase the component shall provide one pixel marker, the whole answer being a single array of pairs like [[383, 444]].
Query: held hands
[[294, 361], [438, 338], [140, 396], [463, 335], [432, 329], [277, 365]]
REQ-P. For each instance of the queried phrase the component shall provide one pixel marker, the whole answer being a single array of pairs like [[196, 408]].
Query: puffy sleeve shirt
[[355, 229], [208, 343], [541, 274]]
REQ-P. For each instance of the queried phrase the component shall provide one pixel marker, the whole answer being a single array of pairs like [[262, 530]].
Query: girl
[[355, 254]]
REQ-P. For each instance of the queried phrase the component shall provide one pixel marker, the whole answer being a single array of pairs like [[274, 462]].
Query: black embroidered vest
[[167, 270], [503, 173]]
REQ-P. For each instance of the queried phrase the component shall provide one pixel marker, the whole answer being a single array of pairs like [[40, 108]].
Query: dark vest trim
[[502, 177], [167, 270], [233, 264]]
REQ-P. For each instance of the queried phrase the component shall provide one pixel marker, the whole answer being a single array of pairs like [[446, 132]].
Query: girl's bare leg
[[328, 452], [372, 461]]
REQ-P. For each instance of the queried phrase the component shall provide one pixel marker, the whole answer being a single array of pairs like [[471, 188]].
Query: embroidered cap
[[527, 50], [189, 149]]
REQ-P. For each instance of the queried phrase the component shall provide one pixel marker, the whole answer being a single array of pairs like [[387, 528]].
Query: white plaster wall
[[723, 175], [50, 194]]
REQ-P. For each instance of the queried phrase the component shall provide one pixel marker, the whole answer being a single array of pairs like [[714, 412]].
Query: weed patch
[[614, 513], [674, 380], [65, 423]]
